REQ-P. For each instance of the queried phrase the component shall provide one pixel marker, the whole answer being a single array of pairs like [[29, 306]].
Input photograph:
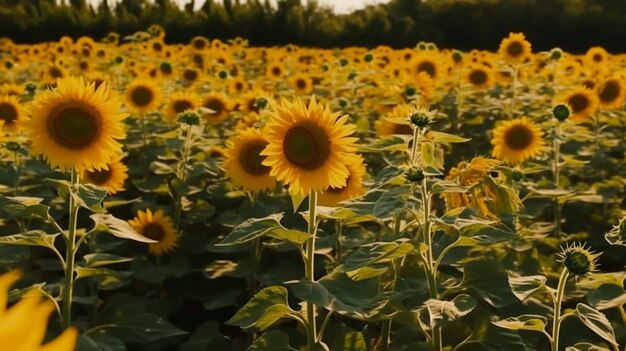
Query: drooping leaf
[[107, 223], [23, 207], [103, 259], [523, 287], [607, 296], [441, 312], [264, 309], [90, 196], [524, 322], [251, 229], [107, 278], [597, 322]]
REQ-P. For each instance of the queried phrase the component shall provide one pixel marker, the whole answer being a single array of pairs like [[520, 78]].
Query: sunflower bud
[[410, 91], [457, 57], [118, 60], [30, 88], [351, 75], [189, 118], [368, 57], [260, 103], [556, 54], [13, 146], [343, 62], [561, 112], [420, 119], [222, 74], [578, 260], [415, 175]]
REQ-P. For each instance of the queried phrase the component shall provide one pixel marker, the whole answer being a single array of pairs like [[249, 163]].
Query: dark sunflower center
[[73, 128], [610, 91], [515, 49], [215, 105], [199, 44], [198, 60], [98, 83], [8, 113], [157, 47], [55, 73], [251, 160], [578, 102], [153, 231], [306, 146], [427, 67], [182, 105], [99, 177], [190, 75], [142, 96], [518, 137], [589, 84], [238, 86], [83, 65], [276, 71], [597, 58], [300, 84], [478, 77]]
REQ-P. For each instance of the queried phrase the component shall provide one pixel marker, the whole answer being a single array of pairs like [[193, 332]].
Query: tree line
[[573, 25]]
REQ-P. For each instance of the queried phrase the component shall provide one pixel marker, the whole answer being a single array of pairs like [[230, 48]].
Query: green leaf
[[143, 327], [107, 279], [103, 259], [272, 340], [207, 337], [293, 236], [524, 322], [117, 227], [30, 238], [90, 196], [23, 207], [372, 254], [349, 341], [489, 281], [296, 200], [523, 287], [391, 202], [428, 153], [264, 309], [585, 346], [597, 322], [334, 212], [607, 296], [440, 137], [443, 312], [488, 337], [617, 235], [99, 340], [442, 186], [251, 229]]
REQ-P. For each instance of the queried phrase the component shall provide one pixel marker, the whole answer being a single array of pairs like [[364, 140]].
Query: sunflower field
[[221, 196]]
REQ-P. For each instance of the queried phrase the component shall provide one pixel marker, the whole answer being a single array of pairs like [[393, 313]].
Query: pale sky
[[340, 6]]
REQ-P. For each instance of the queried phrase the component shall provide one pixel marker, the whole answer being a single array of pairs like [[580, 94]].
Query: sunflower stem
[[143, 129], [385, 337], [416, 139], [182, 175], [310, 268], [556, 324], [459, 102], [69, 253], [513, 91], [555, 170]]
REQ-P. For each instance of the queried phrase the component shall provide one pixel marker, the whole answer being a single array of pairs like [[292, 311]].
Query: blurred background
[[574, 25]]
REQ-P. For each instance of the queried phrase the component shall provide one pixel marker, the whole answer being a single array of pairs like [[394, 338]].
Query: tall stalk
[[310, 268], [70, 248], [556, 324], [555, 171]]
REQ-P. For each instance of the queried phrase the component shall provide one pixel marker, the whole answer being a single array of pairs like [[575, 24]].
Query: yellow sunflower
[[12, 89], [219, 104], [429, 63], [76, 125], [156, 226], [244, 163], [274, 71], [301, 83], [12, 113], [583, 101], [353, 188], [309, 146], [23, 326], [112, 177], [517, 140], [181, 101], [142, 96], [596, 56], [611, 92], [515, 48], [479, 76]]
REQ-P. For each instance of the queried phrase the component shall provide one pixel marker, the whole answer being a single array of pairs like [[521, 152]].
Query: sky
[[340, 6]]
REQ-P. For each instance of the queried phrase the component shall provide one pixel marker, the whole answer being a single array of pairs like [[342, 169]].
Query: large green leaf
[[524, 322], [264, 309], [392, 201], [359, 264], [100, 340], [251, 229], [143, 327], [106, 278], [523, 287], [119, 228], [488, 337], [207, 337], [90, 196], [103, 259], [607, 296], [23, 207], [30, 238], [585, 346], [272, 340], [597, 322], [489, 281]]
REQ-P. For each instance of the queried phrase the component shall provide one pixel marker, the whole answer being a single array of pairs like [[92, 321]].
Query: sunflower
[[244, 163], [583, 101], [52, 73], [274, 71], [190, 76], [76, 125], [12, 89], [23, 326], [428, 63], [596, 57], [353, 188], [179, 102], [479, 76], [517, 140], [611, 92], [515, 48], [238, 85], [254, 101], [112, 177], [309, 146], [301, 83], [142, 96], [156, 226], [220, 106], [11, 112]]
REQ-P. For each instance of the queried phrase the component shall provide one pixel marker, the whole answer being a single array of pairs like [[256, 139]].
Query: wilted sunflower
[[309, 146], [353, 188], [583, 101], [611, 92], [23, 326], [244, 163], [517, 140], [219, 104], [156, 226], [76, 125], [142, 96], [11, 113], [112, 177], [180, 102], [515, 48]]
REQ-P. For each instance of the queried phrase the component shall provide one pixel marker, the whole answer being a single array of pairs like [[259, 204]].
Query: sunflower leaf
[[264, 309], [119, 228], [597, 322], [251, 229], [90, 196], [272, 340]]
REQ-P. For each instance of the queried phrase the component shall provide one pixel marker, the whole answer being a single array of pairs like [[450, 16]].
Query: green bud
[[420, 120], [561, 112], [415, 175], [368, 57], [189, 118], [222, 74]]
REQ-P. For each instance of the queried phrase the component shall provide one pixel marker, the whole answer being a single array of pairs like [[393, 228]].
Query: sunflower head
[[309, 147], [190, 118], [556, 54], [578, 259], [244, 162], [353, 188], [561, 112], [76, 125], [156, 226], [112, 177], [12, 113], [517, 140], [414, 175], [142, 96], [515, 48], [583, 102]]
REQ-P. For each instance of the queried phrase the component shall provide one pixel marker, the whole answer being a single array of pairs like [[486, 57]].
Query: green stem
[[70, 254], [339, 230], [182, 175], [555, 170], [310, 268], [385, 337], [514, 91], [459, 102], [16, 164], [556, 324], [416, 138], [143, 129], [431, 273], [622, 312]]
